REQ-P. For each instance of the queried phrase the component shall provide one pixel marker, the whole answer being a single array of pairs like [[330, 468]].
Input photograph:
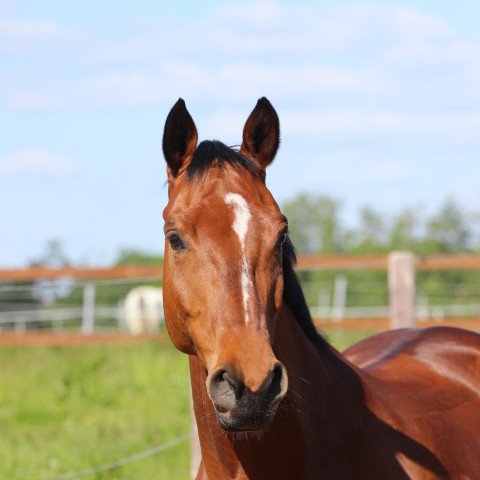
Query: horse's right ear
[[179, 139]]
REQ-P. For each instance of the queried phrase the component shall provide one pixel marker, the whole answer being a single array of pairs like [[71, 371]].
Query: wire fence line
[[66, 304], [134, 305], [122, 461]]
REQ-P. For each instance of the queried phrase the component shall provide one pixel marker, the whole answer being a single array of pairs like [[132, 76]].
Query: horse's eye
[[175, 241]]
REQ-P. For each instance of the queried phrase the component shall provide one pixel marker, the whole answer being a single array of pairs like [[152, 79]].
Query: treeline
[[316, 225]]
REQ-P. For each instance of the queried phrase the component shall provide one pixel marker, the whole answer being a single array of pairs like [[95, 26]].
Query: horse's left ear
[[179, 139], [261, 134]]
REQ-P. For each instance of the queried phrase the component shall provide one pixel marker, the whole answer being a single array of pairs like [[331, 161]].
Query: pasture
[[68, 408]]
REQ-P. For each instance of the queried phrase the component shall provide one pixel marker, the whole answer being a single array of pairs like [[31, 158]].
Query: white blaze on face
[[240, 226]]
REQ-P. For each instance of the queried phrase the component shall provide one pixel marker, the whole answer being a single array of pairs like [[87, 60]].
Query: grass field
[[65, 409]]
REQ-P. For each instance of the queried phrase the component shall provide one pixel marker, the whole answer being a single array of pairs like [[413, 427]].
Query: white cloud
[[135, 88], [27, 35], [298, 81], [360, 69], [34, 100], [354, 168], [460, 126], [117, 51], [365, 53], [436, 131], [28, 30], [363, 122], [106, 90], [34, 162], [413, 23], [5, 5]]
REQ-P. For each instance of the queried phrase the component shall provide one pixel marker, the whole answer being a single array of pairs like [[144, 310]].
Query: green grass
[[342, 339], [64, 409], [69, 408]]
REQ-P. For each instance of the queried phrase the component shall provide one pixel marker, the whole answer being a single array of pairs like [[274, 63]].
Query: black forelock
[[214, 152]]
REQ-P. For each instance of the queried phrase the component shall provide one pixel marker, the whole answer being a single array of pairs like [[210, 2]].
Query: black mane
[[214, 152], [294, 298]]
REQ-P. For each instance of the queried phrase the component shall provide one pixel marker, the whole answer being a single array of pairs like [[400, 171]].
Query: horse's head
[[223, 282]]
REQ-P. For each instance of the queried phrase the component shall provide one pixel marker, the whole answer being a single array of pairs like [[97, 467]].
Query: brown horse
[[272, 398]]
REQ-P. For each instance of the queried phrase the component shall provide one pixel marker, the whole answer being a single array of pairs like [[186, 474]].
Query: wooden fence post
[[401, 285]]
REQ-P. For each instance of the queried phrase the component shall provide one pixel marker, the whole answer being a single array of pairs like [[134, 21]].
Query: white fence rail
[[422, 313], [61, 316]]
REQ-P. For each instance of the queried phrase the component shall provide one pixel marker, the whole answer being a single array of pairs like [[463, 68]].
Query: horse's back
[[447, 345]]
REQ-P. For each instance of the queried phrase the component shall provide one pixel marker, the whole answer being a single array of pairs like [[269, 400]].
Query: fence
[[66, 305], [90, 299]]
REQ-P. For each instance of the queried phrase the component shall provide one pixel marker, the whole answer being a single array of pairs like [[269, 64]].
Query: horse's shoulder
[[415, 344], [421, 373]]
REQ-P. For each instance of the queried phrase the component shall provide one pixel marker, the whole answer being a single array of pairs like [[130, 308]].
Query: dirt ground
[[35, 338], [382, 324]]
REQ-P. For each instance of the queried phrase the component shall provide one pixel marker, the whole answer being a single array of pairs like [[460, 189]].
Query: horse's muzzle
[[238, 408]]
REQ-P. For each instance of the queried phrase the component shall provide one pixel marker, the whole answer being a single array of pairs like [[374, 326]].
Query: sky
[[379, 104]]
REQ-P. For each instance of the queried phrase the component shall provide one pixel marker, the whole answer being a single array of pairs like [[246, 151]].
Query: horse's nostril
[[234, 382], [277, 386], [225, 389]]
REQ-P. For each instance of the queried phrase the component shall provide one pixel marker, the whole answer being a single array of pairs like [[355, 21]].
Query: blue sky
[[379, 104]]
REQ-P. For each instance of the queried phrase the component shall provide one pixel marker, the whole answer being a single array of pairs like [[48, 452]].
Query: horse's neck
[[316, 417]]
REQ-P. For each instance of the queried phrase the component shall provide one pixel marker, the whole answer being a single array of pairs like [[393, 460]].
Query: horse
[[272, 398], [143, 307]]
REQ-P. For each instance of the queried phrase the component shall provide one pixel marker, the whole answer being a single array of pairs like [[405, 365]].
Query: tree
[[449, 230], [370, 235], [314, 223], [53, 255], [404, 230], [133, 256]]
